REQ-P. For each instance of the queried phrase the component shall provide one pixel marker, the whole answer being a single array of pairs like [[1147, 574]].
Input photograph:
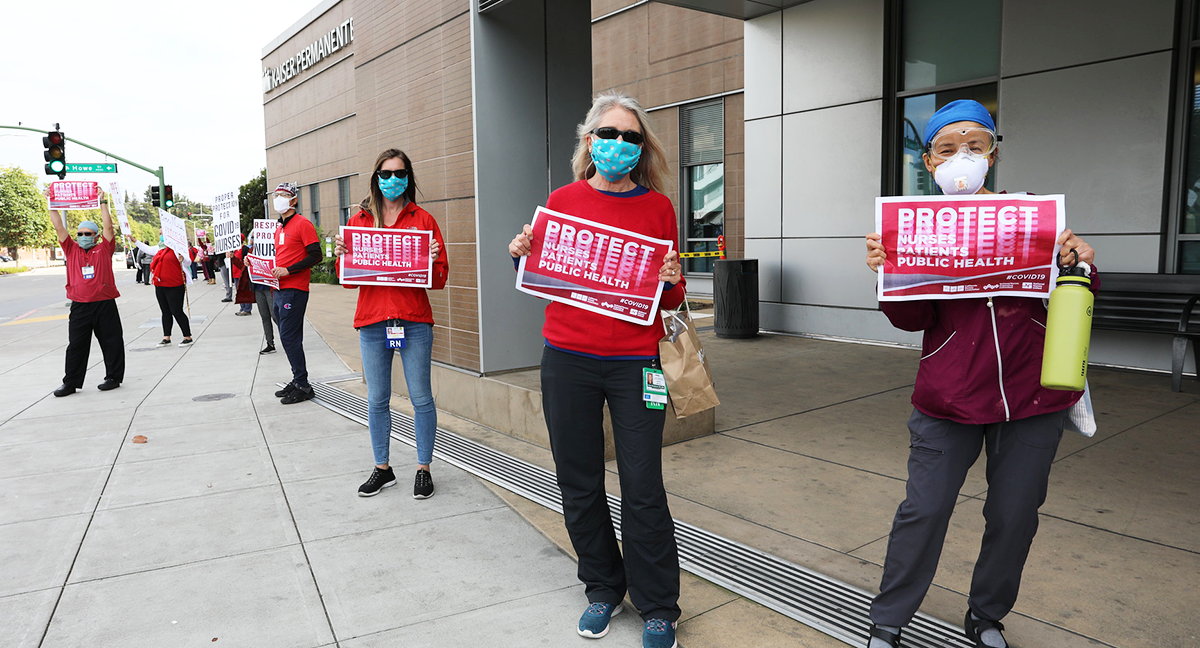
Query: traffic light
[[169, 200], [56, 153], [154, 196]]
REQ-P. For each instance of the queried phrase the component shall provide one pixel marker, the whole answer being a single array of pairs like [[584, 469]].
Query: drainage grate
[[212, 397], [826, 604]]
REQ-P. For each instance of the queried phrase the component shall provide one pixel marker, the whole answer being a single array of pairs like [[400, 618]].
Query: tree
[[24, 217], [251, 197]]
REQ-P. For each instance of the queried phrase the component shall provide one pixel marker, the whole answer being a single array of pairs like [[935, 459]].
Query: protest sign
[[74, 194], [227, 235], [260, 271], [262, 237], [953, 247], [595, 267], [174, 233], [117, 198], [386, 257]]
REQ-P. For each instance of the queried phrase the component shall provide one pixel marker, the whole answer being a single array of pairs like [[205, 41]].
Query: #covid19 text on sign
[[951, 247], [386, 257], [595, 267]]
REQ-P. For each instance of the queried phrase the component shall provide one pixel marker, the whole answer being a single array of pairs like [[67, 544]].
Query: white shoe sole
[[587, 634], [415, 496], [387, 485]]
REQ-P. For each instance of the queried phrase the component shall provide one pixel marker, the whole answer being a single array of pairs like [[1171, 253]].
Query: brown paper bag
[[689, 381]]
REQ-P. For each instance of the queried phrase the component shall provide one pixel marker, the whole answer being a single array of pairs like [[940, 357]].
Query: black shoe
[[423, 487], [226, 300], [380, 479], [270, 348], [973, 628], [892, 638], [108, 384], [65, 390], [298, 395], [287, 389]]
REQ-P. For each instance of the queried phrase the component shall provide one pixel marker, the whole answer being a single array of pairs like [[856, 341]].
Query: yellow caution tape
[[690, 255]]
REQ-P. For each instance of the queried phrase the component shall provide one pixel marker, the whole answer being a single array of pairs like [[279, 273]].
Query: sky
[[170, 84]]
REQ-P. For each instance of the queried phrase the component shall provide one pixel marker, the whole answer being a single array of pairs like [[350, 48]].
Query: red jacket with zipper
[[379, 303], [981, 359]]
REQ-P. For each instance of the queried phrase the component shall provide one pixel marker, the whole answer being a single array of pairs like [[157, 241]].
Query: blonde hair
[[651, 170], [373, 203]]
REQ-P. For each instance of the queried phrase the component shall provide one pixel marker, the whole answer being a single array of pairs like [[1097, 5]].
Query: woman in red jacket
[[166, 273], [591, 359], [391, 316], [978, 388]]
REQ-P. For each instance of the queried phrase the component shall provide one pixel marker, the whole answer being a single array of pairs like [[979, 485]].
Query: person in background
[[241, 278], [210, 270], [198, 261], [384, 308], [978, 388], [218, 260], [264, 296], [92, 290], [191, 263], [297, 250], [590, 359], [143, 263], [170, 287]]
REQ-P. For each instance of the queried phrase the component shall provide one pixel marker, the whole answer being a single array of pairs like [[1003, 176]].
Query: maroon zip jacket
[[981, 359]]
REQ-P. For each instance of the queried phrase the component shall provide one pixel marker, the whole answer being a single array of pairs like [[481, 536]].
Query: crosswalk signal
[[170, 197], [55, 154], [154, 200]]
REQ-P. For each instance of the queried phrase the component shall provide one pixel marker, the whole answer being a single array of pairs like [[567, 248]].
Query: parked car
[[5, 258]]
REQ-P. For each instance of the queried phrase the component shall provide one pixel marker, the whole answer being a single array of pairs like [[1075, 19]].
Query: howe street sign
[[96, 167]]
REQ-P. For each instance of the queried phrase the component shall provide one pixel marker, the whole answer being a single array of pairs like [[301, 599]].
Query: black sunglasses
[[386, 174], [608, 132], [78, 234]]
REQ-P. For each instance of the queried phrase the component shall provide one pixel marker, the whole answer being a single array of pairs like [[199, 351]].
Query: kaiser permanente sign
[[327, 44]]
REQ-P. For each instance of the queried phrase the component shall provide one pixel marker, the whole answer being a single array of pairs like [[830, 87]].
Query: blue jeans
[[417, 356]]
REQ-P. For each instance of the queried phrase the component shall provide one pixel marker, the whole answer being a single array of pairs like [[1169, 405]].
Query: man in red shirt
[[297, 250], [92, 290]]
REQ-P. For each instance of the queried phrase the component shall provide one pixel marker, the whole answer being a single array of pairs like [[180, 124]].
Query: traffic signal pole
[[159, 173]]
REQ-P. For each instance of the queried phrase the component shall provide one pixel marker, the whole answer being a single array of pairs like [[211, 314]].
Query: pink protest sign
[[595, 267], [952, 247], [260, 271], [386, 257], [74, 194]]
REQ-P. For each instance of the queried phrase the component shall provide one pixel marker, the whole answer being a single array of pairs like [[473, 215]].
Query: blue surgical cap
[[89, 225], [956, 111]]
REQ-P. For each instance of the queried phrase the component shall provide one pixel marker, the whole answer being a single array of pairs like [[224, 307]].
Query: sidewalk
[[238, 523]]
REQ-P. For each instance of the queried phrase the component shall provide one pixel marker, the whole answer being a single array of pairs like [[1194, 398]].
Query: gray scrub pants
[[266, 309], [225, 278], [1019, 454]]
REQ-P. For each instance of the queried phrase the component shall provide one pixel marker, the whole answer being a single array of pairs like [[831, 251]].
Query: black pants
[[289, 305], [102, 319], [143, 273], [1019, 454], [574, 390], [170, 302], [266, 311]]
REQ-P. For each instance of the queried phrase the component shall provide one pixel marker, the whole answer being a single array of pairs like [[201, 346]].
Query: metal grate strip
[[838, 609]]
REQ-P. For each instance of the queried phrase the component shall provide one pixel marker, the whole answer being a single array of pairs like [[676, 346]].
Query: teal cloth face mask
[[614, 158], [393, 187]]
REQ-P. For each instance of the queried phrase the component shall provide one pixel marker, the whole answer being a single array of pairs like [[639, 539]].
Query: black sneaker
[[287, 389], [380, 479], [423, 487], [226, 300], [270, 348], [298, 395]]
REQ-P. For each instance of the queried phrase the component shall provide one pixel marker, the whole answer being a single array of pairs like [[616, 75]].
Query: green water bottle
[[1068, 330]]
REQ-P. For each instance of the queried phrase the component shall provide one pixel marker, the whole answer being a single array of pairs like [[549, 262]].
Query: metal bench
[[1152, 303]]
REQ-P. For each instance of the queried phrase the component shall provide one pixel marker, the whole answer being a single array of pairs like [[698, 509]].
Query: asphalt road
[[27, 293]]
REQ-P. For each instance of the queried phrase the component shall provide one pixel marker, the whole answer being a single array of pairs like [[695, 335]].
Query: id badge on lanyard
[[89, 271], [395, 337], [654, 388]]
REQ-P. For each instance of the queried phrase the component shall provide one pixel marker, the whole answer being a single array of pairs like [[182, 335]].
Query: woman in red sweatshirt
[[391, 318], [166, 273], [591, 359]]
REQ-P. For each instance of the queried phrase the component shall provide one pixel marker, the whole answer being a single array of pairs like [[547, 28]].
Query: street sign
[[97, 167]]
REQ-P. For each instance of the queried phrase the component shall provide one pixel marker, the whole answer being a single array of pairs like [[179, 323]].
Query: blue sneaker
[[659, 633], [594, 622]]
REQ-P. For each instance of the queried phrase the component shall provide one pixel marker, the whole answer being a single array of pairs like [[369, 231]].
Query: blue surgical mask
[[614, 159], [86, 242], [393, 187]]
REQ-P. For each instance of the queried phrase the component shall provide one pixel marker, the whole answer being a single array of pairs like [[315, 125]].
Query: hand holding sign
[[522, 244], [669, 272]]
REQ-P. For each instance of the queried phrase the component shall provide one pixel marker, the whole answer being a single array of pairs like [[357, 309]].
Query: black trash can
[[735, 298]]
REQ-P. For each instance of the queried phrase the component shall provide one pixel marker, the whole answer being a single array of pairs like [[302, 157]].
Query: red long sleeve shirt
[[166, 270], [574, 329], [379, 303]]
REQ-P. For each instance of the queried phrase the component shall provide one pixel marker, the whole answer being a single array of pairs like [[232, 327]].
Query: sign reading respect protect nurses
[[954, 247], [386, 257], [602, 269]]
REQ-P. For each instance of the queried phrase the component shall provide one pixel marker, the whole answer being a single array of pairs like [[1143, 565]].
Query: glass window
[[702, 156], [314, 200], [949, 41], [915, 112], [344, 199], [1191, 206]]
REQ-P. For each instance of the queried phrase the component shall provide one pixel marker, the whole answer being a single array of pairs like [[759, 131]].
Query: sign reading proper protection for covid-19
[[595, 267], [954, 247], [227, 234]]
